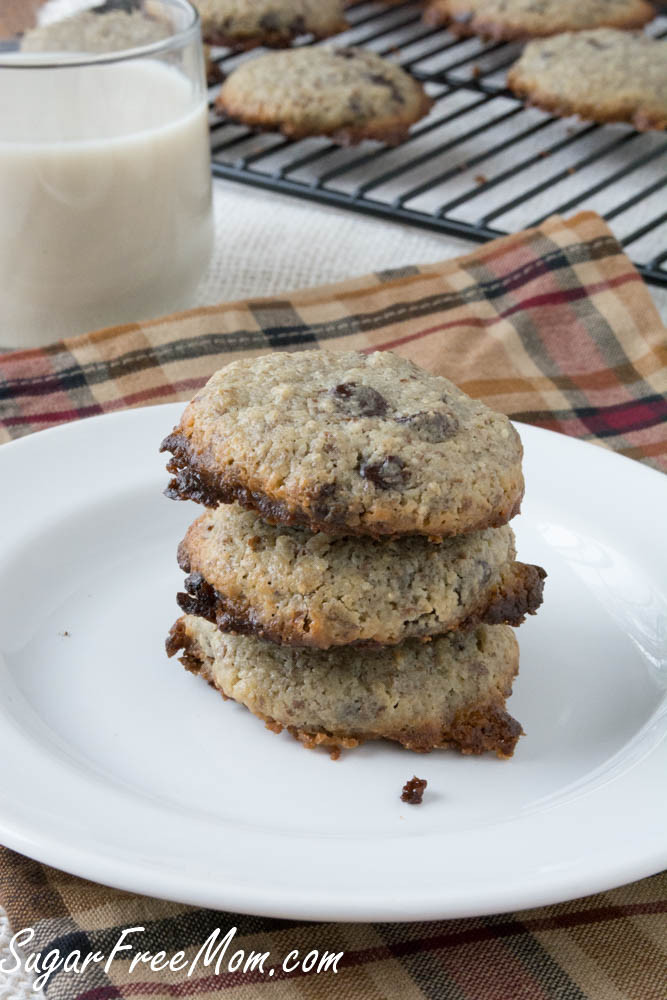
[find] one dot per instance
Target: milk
(105, 196)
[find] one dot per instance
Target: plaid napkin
(553, 326)
(16, 16)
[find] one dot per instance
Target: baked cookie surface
(88, 31)
(294, 587)
(602, 75)
(347, 443)
(276, 23)
(508, 19)
(348, 94)
(446, 693)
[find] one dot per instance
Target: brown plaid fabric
(552, 326)
(611, 946)
(17, 16)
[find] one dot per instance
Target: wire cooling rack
(481, 165)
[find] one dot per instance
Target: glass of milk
(105, 181)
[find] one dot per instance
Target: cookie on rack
(347, 443)
(521, 19)
(446, 693)
(294, 587)
(603, 76)
(243, 24)
(348, 94)
(97, 30)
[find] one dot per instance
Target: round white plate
(119, 766)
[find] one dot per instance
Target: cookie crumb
(481, 178)
(65, 634)
(413, 791)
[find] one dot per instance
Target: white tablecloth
(267, 244)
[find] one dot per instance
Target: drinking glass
(105, 181)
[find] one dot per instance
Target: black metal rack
(475, 168)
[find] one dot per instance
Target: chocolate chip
(269, 22)
(388, 474)
(322, 501)
(298, 25)
(359, 400)
(194, 582)
(484, 571)
(199, 599)
(383, 81)
(433, 427)
(126, 6)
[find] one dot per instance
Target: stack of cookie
(354, 574)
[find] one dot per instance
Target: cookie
(446, 693)
(97, 30)
(603, 76)
(518, 19)
(290, 586)
(243, 24)
(347, 94)
(347, 443)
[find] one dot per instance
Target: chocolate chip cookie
(96, 31)
(446, 693)
(348, 94)
(347, 443)
(294, 587)
(508, 19)
(603, 76)
(243, 24)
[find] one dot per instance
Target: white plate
(119, 766)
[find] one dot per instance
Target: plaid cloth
(610, 946)
(16, 16)
(553, 326)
